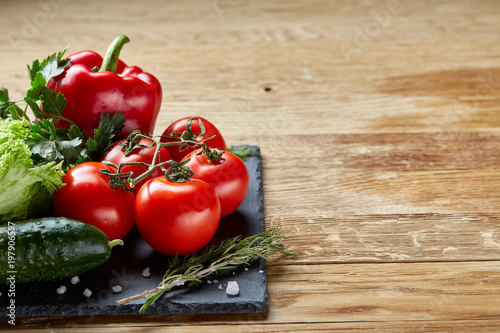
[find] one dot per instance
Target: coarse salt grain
(117, 289)
(146, 272)
(87, 292)
(61, 290)
(232, 288)
(75, 279)
(221, 287)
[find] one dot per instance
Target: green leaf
(8, 108)
(116, 120)
(4, 95)
(54, 68)
(75, 132)
(104, 134)
(33, 104)
(49, 144)
(47, 150)
(52, 103)
(69, 145)
(91, 146)
(27, 189)
(50, 67)
(37, 84)
(243, 152)
(71, 150)
(34, 69)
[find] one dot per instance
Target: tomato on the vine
(195, 132)
(116, 155)
(228, 176)
(88, 197)
(177, 217)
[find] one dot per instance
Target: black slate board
(126, 264)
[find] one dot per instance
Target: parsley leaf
(105, 133)
(40, 74)
(8, 108)
(50, 67)
(49, 144)
(52, 102)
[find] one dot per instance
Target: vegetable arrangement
(87, 169)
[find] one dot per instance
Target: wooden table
(379, 129)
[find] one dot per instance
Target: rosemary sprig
(193, 268)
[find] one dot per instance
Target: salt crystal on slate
(75, 279)
(61, 290)
(221, 287)
(117, 289)
(146, 272)
(87, 292)
(232, 288)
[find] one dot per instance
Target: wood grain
(379, 130)
(411, 292)
(390, 238)
(458, 326)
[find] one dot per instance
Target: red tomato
(88, 197)
(177, 218)
(228, 176)
(177, 127)
(116, 155)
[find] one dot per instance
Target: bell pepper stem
(110, 61)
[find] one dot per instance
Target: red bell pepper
(93, 85)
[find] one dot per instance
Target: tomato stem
(177, 171)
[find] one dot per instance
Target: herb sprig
(48, 143)
(69, 145)
(192, 269)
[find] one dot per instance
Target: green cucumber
(51, 248)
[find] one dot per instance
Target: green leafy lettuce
(26, 190)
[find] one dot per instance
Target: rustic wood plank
(383, 193)
(416, 291)
(412, 173)
(399, 292)
(298, 98)
(390, 238)
(459, 326)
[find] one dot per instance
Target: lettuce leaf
(26, 190)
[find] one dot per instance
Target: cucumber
(51, 248)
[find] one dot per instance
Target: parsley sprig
(40, 73)
(69, 145)
(48, 143)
